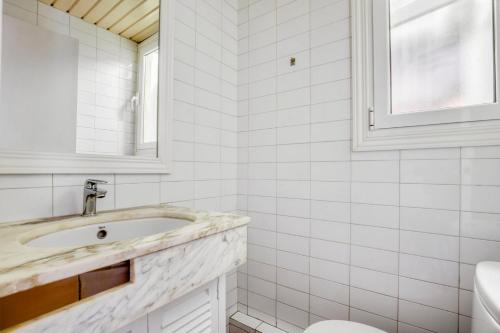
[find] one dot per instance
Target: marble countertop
(23, 267)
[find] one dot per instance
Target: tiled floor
(241, 323)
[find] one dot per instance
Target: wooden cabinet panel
(94, 282)
(31, 303)
(34, 302)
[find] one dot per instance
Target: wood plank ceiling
(133, 19)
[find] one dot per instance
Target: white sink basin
(108, 232)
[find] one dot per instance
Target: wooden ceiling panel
(82, 7)
(118, 12)
(146, 33)
(64, 5)
(135, 15)
(133, 19)
(142, 24)
(101, 9)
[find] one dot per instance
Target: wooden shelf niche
(29, 304)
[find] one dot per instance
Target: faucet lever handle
(92, 183)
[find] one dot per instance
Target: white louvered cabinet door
(197, 312)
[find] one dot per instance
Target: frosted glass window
(442, 54)
(150, 96)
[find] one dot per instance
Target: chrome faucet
(90, 194)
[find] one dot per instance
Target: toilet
(341, 326)
(486, 304)
(485, 308)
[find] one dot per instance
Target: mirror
(80, 77)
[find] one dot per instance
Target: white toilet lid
(341, 326)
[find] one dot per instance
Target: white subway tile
(380, 238)
(427, 317)
(373, 320)
(375, 215)
(429, 269)
(473, 251)
(331, 211)
(444, 222)
(373, 302)
(430, 171)
(375, 259)
(329, 14)
(293, 297)
(332, 251)
(293, 225)
(25, 203)
(375, 193)
(375, 171)
(25, 181)
(333, 291)
(131, 195)
(430, 196)
(383, 283)
(330, 191)
(292, 10)
(293, 280)
(262, 237)
(328, 270)
(261, 270)
(328, 309)
(430, 245)
(480, 225)
(292, 261)
(431, 294)
(261, 287)
(294, 244)
(480, 199)
(331, 231)
(262, 254)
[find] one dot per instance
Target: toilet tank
(486, 306)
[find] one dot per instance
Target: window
(148, 94)
(442, 55)
(425, 73)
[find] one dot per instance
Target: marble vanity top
(23, 267)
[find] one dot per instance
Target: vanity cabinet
(201, 311)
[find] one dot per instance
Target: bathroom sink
(108, 232)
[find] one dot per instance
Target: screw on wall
(292, 61)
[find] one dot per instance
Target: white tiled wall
(385, 238)
(107, 67)
(205, 131)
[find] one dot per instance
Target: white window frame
(146, 47)
(374, 128)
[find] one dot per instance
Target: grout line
(221, 70)
(275, 94)
(349, 314)
(310, 168)
(399, 235)
(248, 153)
(194, 199)
(459, 236)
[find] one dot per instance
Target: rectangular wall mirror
(85, 86)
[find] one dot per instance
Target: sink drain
(101, 234)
